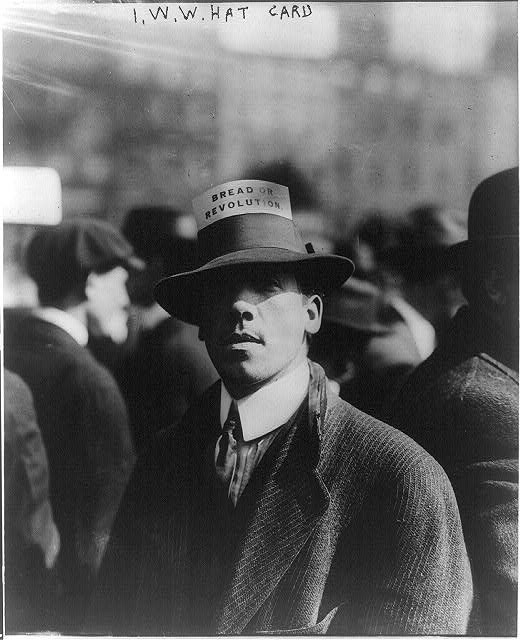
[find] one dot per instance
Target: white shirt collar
(271, 406)
(64, 321)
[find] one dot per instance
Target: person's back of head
(60, 258)
(80, 266)
(165, 238)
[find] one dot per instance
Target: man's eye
(273, 283)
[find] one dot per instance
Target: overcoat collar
(471, 333)
(286, 512)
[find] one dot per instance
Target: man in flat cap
(462, 403)
(274, 506)
(80, 268)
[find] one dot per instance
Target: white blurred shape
(448, 37)
(261, 33)
(186, 227)
(31, 195)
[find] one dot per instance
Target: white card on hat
(239, 197)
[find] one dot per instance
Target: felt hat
(492, 217)
(60, 257)
(359, 305)
(240, 224)
(420, 247)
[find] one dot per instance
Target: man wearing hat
(462, 403)
(364, 346)
(274, 506)
(80, 268)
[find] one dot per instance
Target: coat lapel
(291, 500)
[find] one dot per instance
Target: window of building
(442, 179)
(410, 175)
(377, 80)
(410, 122)
(376, 176)
(377, 121)
(444, 131)
(343, 165)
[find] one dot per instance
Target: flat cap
(360, 306)
(60, 257)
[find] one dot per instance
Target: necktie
(235, 460)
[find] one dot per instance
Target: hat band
(253, 231)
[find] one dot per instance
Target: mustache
(242, 336)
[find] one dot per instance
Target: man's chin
(243, 375)
(119, 335)
(116, 331)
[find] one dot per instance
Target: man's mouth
(240, 338)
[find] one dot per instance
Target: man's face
(254, 324)
(108, 304)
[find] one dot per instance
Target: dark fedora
(492, 217)
(245, 223)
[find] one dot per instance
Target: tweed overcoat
(461, 405)
(349, 528)
(85, 430)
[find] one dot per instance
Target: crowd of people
(214, 427)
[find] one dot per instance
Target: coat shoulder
(375, 448)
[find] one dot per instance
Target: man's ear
(494, 285)
(90, 284)
(314, 311)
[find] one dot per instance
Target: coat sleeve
(128, 597)
(117, 582)
(413, 574)
(489, 510)
(105, 466)
(27, 473)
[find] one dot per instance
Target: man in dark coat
(462, 403)
(167, 367)
(274, 506)
(32, 541)
(80, 268)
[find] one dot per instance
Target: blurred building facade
(127, 123)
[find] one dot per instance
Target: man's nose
(243, 310)
(124, 297)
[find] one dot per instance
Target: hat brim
(459, 253)
(180, 294)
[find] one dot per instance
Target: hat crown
(245, 215)
(493, 208)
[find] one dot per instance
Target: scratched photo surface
(380, 106)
